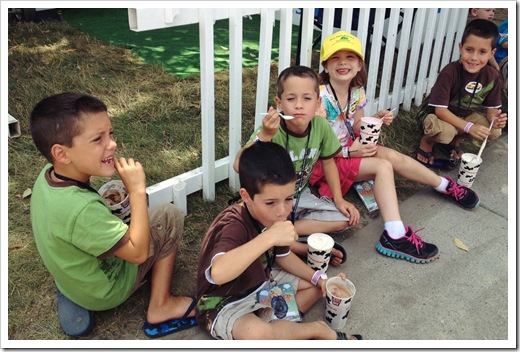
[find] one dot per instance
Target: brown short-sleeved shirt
(445, 92)
(232, 228)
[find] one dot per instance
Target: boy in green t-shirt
(309, 139)
(95, 259)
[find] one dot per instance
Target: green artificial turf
(176, 49)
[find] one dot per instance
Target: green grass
(176, 49)
(156, 118)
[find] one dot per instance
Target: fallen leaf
(461, 245)
(252, 55)
(224, 48)
(26, 193)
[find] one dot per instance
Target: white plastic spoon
(285, 117)
(485, 140)
(387, 114)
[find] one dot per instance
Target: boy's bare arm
(270, 125)
(232, 264)
(294, 265)
(137, 248)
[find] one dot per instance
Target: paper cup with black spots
(469, 165)
(319, 249)
(114, 193)
(369, 129)
(337, 301)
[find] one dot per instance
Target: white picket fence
(401, 70)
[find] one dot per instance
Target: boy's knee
(340, 226)
(260, 331)
(495, 134)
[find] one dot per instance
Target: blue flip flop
(74, 319)
(173, 325)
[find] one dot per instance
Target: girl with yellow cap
(343, 98)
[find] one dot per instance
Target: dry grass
(156, 119)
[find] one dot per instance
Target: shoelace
(415, 239)
(457, 191)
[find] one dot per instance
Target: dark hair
(265, 163)
(54, 120)
(297, 71)
(360, 80)
(483, 29)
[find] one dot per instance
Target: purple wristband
(316, 277)
(468, 126)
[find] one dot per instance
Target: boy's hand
(282, 233)
(359, 150)
(500, 119)
(479, 132)
(132, 174)
(348, 209)
(270, 124)
(323, 283)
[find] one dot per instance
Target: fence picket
(235, 90)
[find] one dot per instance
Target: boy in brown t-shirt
(246, 249)
(450, 112)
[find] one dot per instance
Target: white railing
(405, 49)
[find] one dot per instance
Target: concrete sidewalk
(461, 296)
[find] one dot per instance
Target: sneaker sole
(401, 255)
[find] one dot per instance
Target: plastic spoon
(485, 140)
(387, 114)
(285, 117)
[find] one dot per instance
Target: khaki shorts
(311, 207)
(444, 132)
(166, 227)
(222, 328)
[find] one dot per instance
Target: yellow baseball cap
(340, 41)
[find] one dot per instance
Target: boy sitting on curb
(449, 113)
(96, 260)
(246, 249)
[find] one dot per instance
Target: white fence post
(384, 93)
(207, 88)
(417, 29)
(235, 90)
(306, 39)
(264, 64)
(397, 91)
(284, 57)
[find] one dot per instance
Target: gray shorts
(166, 228)
(223, 325)
(311, 207)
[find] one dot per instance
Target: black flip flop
(173, 325)
(342, 336)
(339, 247)
(443, 164)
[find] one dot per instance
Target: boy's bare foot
(426, 149)
(456, 152)
(337, 257)
(173, 307)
